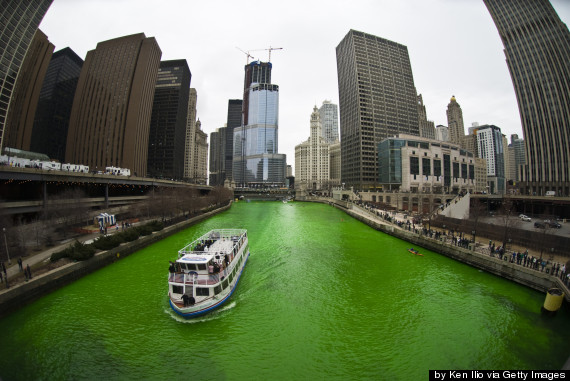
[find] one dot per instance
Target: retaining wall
(22, 294)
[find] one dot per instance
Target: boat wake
(214, 315)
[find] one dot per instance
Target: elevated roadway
(26, 190)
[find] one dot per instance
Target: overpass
(27, 190)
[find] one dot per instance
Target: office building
(256, 162)
(217, 157)
(19, 21)
(413, 164)
(51, 123)
(537, 49)
(455, 122)
(110, 118)
(167, 133)
(190, 138)
(312, 170)
(377, 99)
(199, 167)
(234, 120)
(442, 133)
(427, 127)
(329, 121)
(490, 147)
(20, 118)
(520, 155)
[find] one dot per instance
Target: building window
(414, 165)
(426, 166)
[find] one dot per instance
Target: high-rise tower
(51, 122)
(329, 120)
(537, 50)
(455, 121)
(255, 158)
(377, 99)
(167, 133)
(111, 112)
(19, 21)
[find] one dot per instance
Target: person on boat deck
(171, 267)
(185, 299)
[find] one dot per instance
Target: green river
(322, 296)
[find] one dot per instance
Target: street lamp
(473, 233)
(6, 243)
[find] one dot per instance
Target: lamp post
(6, 243)
(473, 232)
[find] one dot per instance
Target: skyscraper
(19, 20)
(312, 158)
(234, 120)
(20, 118)
(329, 121)
(427, 127)
(51, 122)
(537, 50)
(455, 121)
(168, 121)
(190, 138)
(490, 147)
(377, 99)
(111, 112)
(217, 156)
(255, 158)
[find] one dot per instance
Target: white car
(524, 218)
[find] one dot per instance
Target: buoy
(553, 301)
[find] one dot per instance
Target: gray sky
(454, 49)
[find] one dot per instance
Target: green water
(323, 296)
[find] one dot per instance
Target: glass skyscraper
(537, 50)
(255, 158)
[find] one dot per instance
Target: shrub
(60, 254)
(81, 252)
(144, 229)
(130, 235)
(108, 242)
(155, 225)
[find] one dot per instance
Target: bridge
(27, 190)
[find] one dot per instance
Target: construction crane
(270, 49)
(247, 54)
(256, 50)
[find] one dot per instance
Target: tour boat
(207, 271)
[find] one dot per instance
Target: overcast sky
(453, 45)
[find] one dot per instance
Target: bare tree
(67, 209)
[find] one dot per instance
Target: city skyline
(475, 71)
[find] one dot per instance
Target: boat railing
(237, 235)
(197, 279)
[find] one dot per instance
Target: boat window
(201, 266)
(177, 289)
(202, 291)
(225, 284)
(191, 266)
(183, 266)
(231, 277)
(217, 289)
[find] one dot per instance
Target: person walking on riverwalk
(29, 271)
(20, 267)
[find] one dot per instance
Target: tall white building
(455, 121)
(312, 161)
(329, 121)
(442, 133)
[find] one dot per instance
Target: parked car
(553, 224)
(540, 225)
(524, 218)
